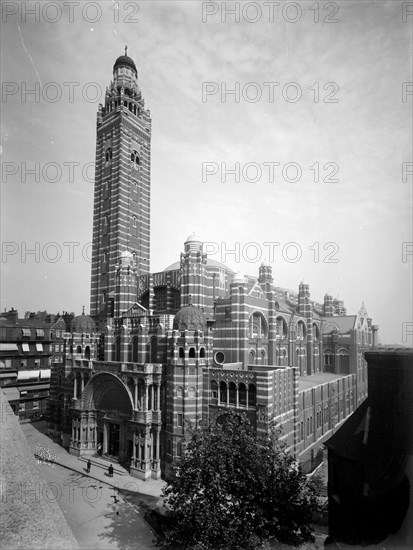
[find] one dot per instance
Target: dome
(190, 318)
(238, 279)
(82, 323)
(125, 61)
(212, 264)
(194, 238)
(126, 254)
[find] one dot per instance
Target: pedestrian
(88, 465)
(100, 449)
(110, 469)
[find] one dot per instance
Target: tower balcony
(146, 368)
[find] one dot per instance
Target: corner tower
(122, 184)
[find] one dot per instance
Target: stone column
(82, 382)
(158, 396)
(105, 437)
(136, 393)
(134, 449)
(75, 385)
(145, 403)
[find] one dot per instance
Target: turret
(193, 273)
(304, 302)
(328, 305)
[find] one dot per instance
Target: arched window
(223, 392)
(135, 350)
(328, 358)
(242, 395)
(154, 350)
(214, 390)
(258, 326)
(181, 353)
(78, 349)
(263, 357)
(191, 392)
(232, 393)
(343, 361)
(252, 395)
(108, 154)
(135, 159)
(191, 353)
(202, 353)
(87, 352)
(301, 332)
(281, 328)
(251, 358)
(179, 392)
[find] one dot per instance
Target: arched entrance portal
(107, 404)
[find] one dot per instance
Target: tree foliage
(230, 491)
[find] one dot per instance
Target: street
(98, 516)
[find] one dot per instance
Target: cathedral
(163, 350)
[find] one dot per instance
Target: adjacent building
(370, 459)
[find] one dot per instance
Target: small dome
(238, 278)
(190, 318)
(82, 323)
(265, 264)
(194, 238)
(125, 61)
(126, 254)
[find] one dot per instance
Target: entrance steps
(104, 463)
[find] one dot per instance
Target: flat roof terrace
(307, 382)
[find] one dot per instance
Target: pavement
(48, 450)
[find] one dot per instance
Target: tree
(231, 491)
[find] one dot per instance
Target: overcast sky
(335, 97)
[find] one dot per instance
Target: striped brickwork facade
(122, 186)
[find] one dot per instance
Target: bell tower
(122, 184)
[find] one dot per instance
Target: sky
(319, 131)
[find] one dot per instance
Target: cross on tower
(126, 50)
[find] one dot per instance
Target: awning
(12, 394)
(26, 332)
(39, 347)
(34, 387)
(28, 374)
(26, 347)
(45, 373)
(39, 332)
(8, 347)
(8, 374)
